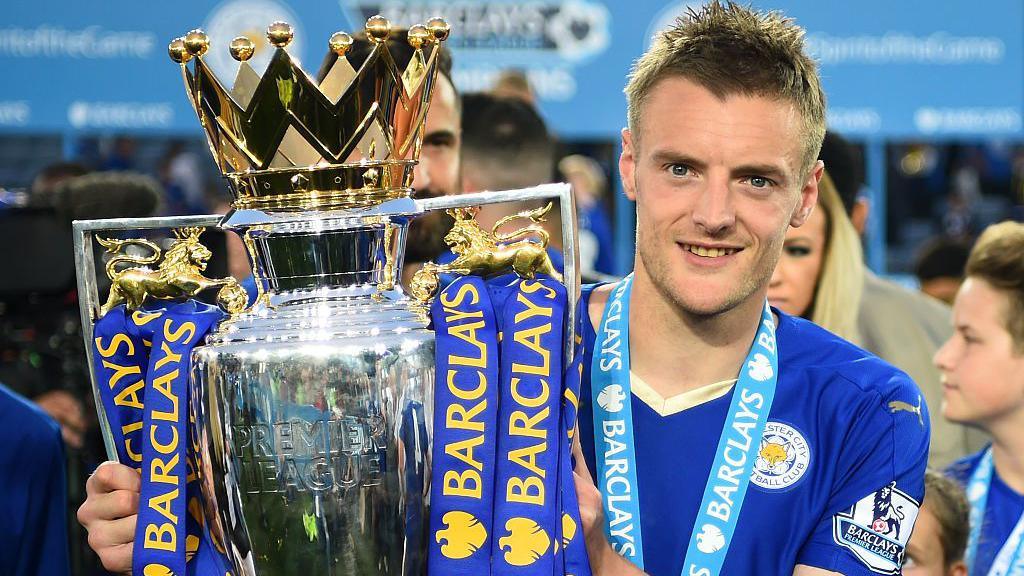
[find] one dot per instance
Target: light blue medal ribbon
(752, 400)
(1010, 559)
(613, 428)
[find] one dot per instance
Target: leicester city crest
(782, 458)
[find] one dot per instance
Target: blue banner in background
(914, 68)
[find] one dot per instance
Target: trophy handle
(460, 206)
(90, 305)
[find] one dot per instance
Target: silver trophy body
(314, 411)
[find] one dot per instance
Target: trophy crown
(348, 137)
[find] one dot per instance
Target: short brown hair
(733, 50)
(946, 502)
(998, 258)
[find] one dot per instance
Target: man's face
(717, 183)
(438, 172)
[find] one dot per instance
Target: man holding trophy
(725, 437)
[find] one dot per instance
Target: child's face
(924, 552)
(982, 374)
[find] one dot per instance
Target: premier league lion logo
(887, 516)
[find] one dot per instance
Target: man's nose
(714, 212)
(421, 174)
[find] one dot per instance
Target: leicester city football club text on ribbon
(616, 459)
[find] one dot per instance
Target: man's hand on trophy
(109, 514)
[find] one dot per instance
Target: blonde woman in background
(820, 275)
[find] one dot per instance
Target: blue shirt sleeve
(32, 480)
(880, 453)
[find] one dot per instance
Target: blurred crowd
(940, 198)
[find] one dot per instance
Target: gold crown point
(280, 34)
(242, 48)
(177, 51)
(339, 43)
(418, 36)
(378, 28)
(439, 28)
(197, 42)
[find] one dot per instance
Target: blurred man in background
(505, 146)
(940, 268)
(35, 538)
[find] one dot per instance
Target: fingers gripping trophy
(297, 434)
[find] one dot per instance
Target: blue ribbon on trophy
(503, 499)
(465, 421)
(142, 362)
(575, 560)
(525, 513)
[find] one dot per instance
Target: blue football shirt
(33, 534)
(1002, 511)
(839, 472)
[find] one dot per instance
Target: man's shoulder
(23, 423)
(18, 411)
(593, 297)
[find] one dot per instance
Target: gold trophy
(303, 401)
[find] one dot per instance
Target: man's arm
(802, 570)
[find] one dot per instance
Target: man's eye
(760, 182)
(679, 169)
(438, 140)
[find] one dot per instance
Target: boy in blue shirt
(982, 368)
(727, 437)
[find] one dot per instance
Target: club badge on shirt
(878, 528)
(782, 459)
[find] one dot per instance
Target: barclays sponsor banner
(891, 69)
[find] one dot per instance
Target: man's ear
(808, 195)
(859, 214)
(627, 164)
(959, 568)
